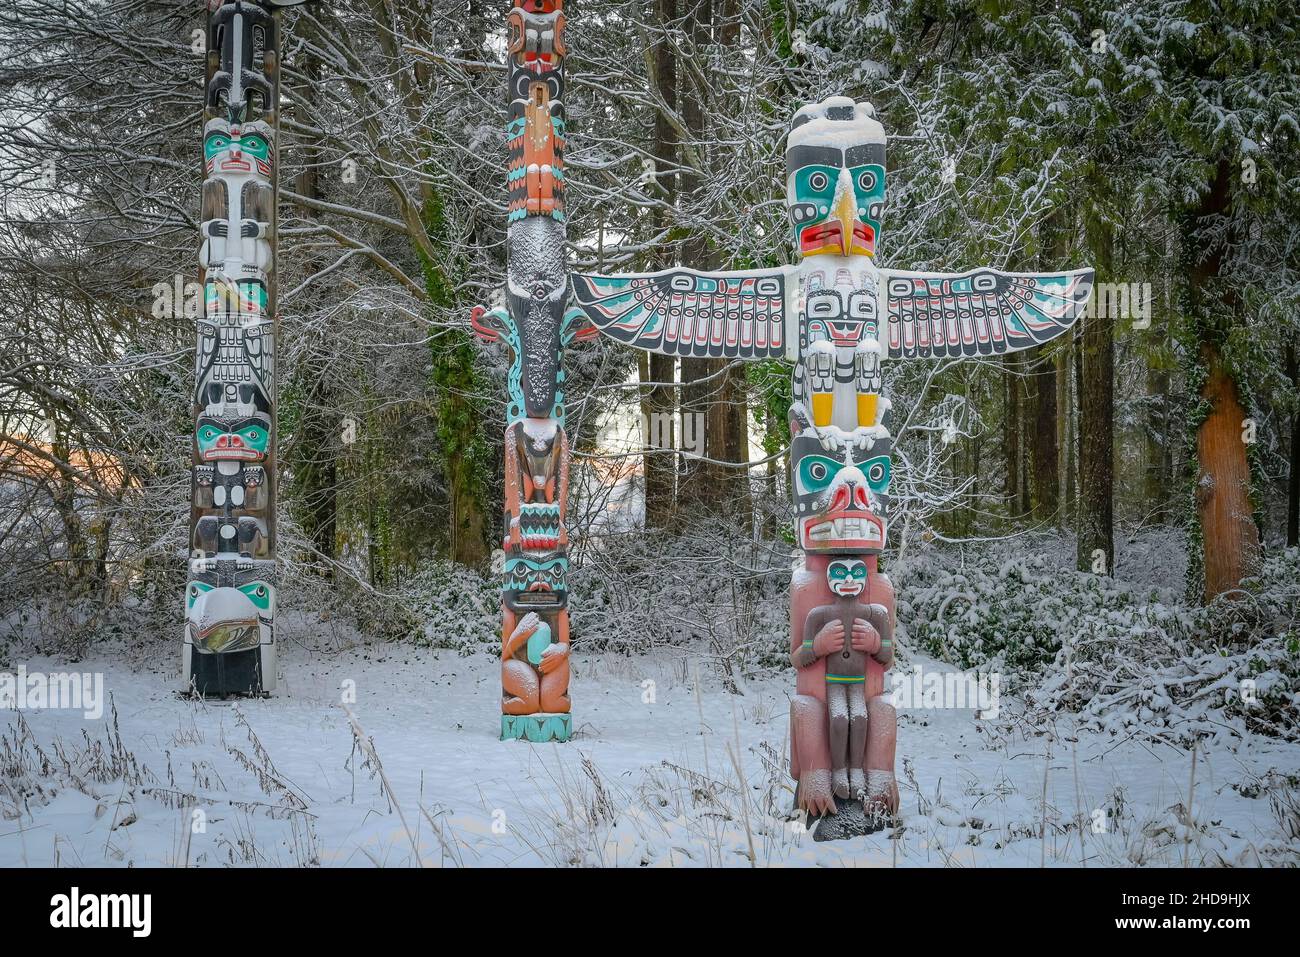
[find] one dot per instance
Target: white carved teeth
(841, 528)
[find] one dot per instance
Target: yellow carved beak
(846, 210)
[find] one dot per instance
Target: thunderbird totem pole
(230, 597)
(826, 314)
(536, 324)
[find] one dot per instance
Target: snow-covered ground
(679, 773)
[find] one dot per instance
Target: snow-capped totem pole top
(835, 178)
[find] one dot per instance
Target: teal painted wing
(681, 312)
(981, 312)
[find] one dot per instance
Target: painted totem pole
(230, 597)
(536, 324)
(826, 314)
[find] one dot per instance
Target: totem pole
(536, 324)
(230, 597)
(824, 314)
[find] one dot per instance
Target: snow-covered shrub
(635, 592)
(453, 606)
(716, 589)
(998, 610)
(1123, 658)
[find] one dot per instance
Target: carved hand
(553, 657)
(830, 639)
(523, 631)
(865, 637)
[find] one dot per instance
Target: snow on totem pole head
(835, 178)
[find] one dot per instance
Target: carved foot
(840, 782)
(814, 794)
(858, 784)
(882, 793)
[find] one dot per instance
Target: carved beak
(845, 210)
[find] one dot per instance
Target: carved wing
(981, 312)
(682, 312)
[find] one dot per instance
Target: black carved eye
(866, 181)
(817, 470)
(876, 472)
(818, 181)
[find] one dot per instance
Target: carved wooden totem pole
(826, 314)
(536, 324)
(230, 598)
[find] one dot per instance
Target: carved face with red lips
(840, 498)
(223, 438)
(239, 150)
(847, 577)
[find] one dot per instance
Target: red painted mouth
(864, 239)
(236, 165)
(817, 238)
(846, 333)
(843, 530)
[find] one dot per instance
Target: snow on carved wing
(683, 312)
(981, 312)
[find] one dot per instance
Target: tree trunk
(730, 438)
(1046, 484)
(1293, 482)
(1043, 439)
(1096, 535)
(319, 431)
(657, 410)
(701, 395)
(1065, 432)
(658, 403)
(1011, 431)
(1158, 458)
(1229, 537)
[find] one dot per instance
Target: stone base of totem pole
(851, 821)
(536, 727)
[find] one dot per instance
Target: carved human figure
(847, 633)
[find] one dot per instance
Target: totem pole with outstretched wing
(837, 316)
(229, 644)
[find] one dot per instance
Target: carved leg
(867, 380)
(819, 359)
(808, 740)
(520, 686)
(857, 739)
(837, 706)
(521, 689)
(555, 690)
(555, 677)
(882, 732)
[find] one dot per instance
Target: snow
(652, 777)
(863, 128)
